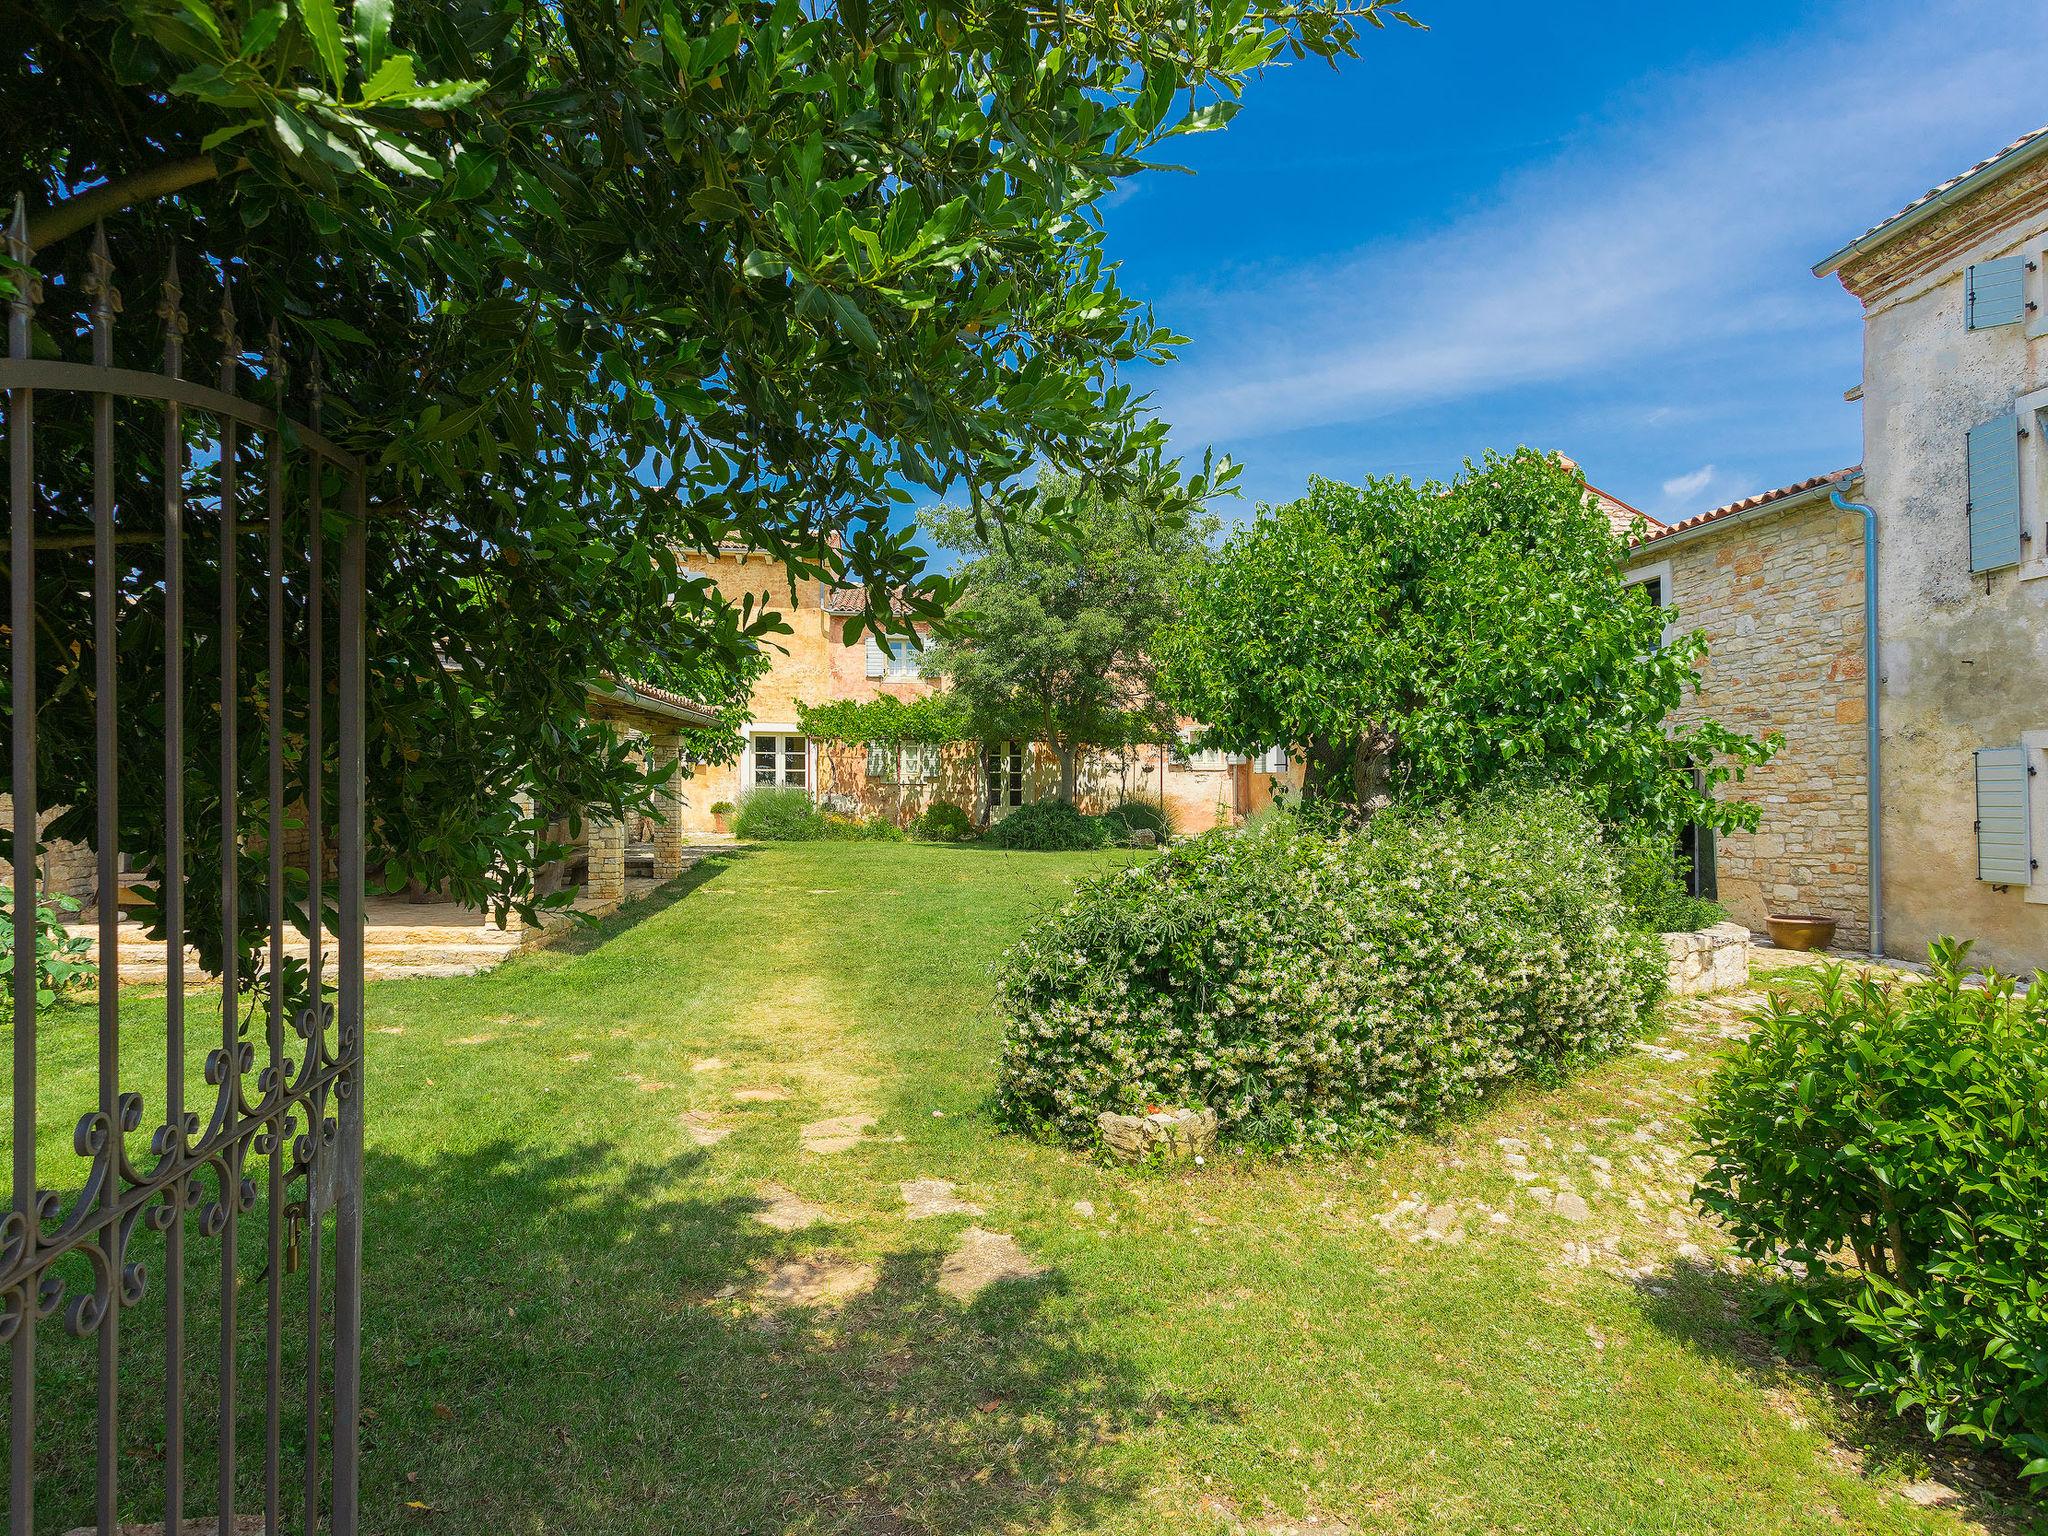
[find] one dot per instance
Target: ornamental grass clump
(1322, 991)
(1883, 1146)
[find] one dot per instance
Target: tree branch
(75, 213)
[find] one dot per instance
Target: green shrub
(1655, 892)
(778, 815)
(943, 822)
(1049, 826)
(1326, 990)
(60, 955)
(1890, 1141)
(1121, 820)
(721, 807)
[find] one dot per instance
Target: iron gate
(170, 1269)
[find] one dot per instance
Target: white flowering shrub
(1321, 990)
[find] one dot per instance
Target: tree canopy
(1430, 640)
(594, 284)
(1053, 639)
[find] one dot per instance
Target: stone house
(1942, 535)
(814, 664)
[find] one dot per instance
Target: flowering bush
(1323, 990)
(1888, 1143)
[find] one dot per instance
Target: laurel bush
(1883, 1145)
(1324, 990)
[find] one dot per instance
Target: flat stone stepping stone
(981, 1258)
(760, 1095)
(816, 1280)
(787, 1211)
(708, 1064)
(835, 1135)
(934, 1197)
(704, 1129)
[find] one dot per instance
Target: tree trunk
(1357, 771)
(1070, 772)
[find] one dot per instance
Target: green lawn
(564, 1332)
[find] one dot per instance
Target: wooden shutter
(881, 762)
(2004, 836)
(1994, 293)
(878, 659)
(1994, 457)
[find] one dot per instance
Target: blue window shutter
(1994, 453)
(1994, 292)
(2004, 834)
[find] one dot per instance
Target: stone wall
(68, 869)
(1779, 595)
(1712, 959)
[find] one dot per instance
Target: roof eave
(1748, 514)
(1948, 197)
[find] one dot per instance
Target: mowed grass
(563, 1334)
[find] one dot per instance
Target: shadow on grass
(556, 1341)
(1710, 1310)
(587, 936)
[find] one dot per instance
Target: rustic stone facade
(1962, 654)
(1779, 594)
(815, 665)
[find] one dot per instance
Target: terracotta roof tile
(1749, 504)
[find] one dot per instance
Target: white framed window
(781, 760)
(898, 661)
(1655, 580)
(1003, 763)
(1196, 760)
(1273, 760)
(920, 764)
(2033, 484)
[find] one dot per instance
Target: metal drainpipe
(1870, 688)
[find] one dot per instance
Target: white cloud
(1687, 223)
(1685, 487)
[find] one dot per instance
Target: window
(913, 764)
(881, 763)
(1005, 769)
(1273, 760)
(920, 764)
(898, 662)
(1204, 760)
(780, 760)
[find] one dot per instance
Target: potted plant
(721, 816)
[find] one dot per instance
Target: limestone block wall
(1780, 599)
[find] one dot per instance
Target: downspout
(1870, 688)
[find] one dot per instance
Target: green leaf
(261, 29)
(323, 26)
(220, 136)
(372, 24)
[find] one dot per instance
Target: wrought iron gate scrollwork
(275, 1140)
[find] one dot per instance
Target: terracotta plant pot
(1800, 932)
(721, 823)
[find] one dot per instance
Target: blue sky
(1586, 225)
